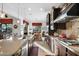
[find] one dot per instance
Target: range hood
(69, 13)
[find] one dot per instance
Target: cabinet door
(61, 50)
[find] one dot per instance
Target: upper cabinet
(68, 12)
(56, 12)
(47, 19)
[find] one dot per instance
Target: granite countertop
(73, 48)
(8, 47)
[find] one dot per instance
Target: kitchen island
(10, 47)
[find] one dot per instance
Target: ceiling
(20, 10)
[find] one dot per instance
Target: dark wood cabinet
(60, 25)
(56, 12)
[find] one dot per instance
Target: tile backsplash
(72, 27)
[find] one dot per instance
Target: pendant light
(2, 15)
(18, 15)
(2, 8)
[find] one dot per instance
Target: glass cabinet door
(4, 27)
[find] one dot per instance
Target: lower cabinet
(61, 50)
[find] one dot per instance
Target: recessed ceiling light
(48, 11)
(41, 9)
(29, 9)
